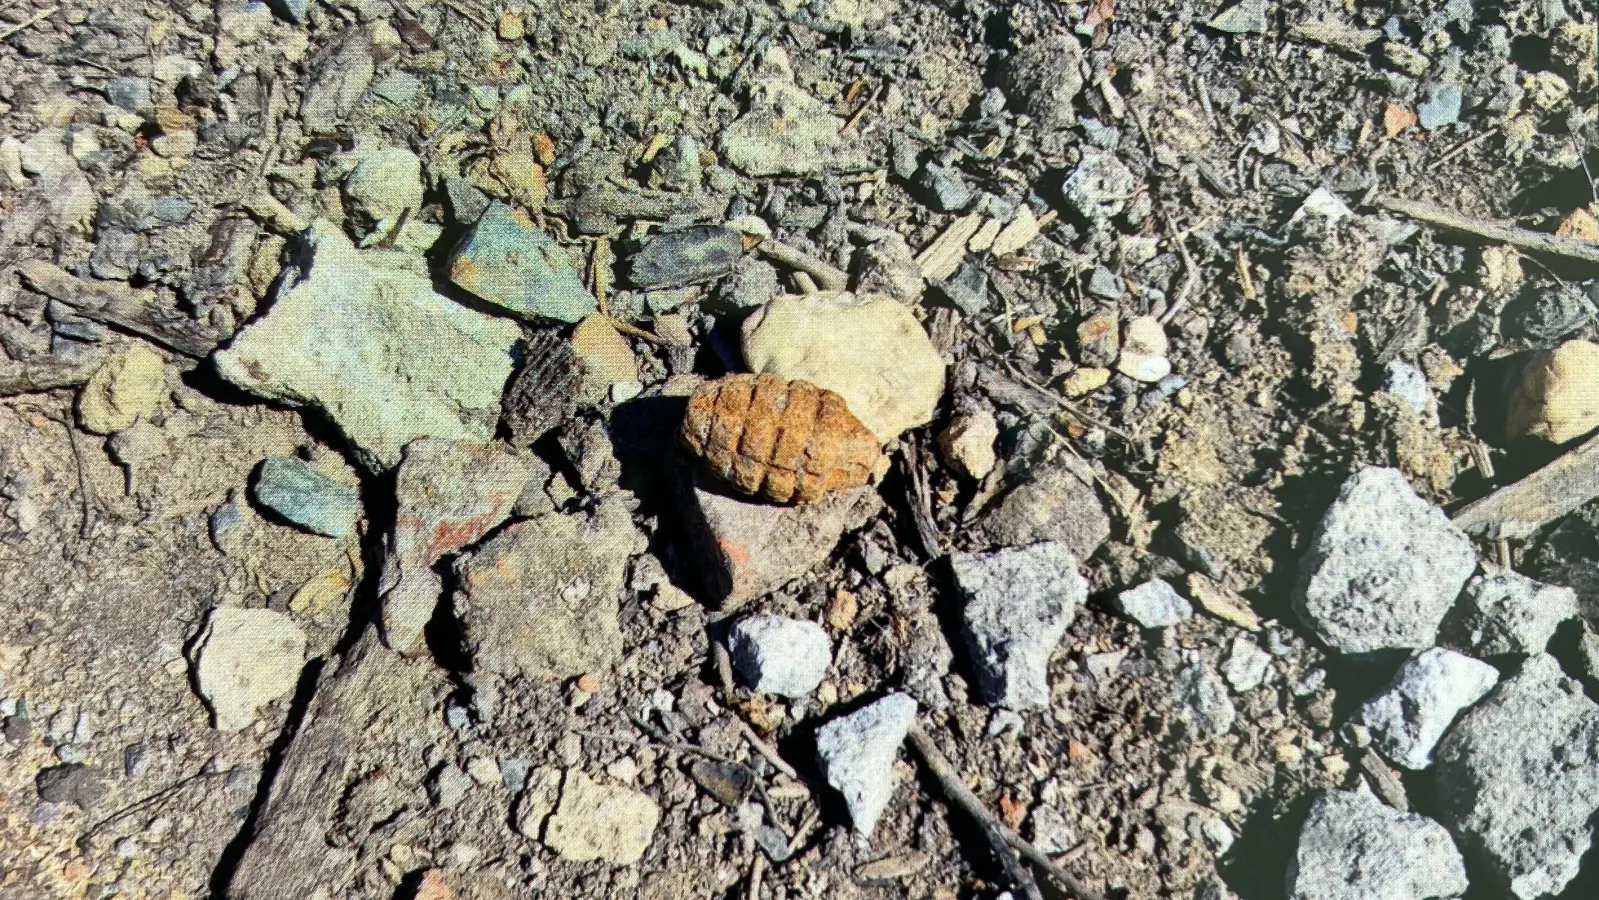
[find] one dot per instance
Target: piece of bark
(543, 393)
(288, 857)
(47, 374)
(1498, 232)
(1517, 510)
(122, 307)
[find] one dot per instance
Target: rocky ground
(1202, 507)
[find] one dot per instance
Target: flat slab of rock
(1353, 847)
(245, 659)
(1018, 605)
(1505, 613)
(1410, 716)
(1154, 604)
(374, 348)
(308, 497)
(595, 821)
(1518, 778)
(541, 599)
(857, 754)
(787, 131)
(1054, 504)
(788, 657)
(1383, 567)
(749, 549)
(869, 350)
(449, 494)
(510, 263)
(686, 256)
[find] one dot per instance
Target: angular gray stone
(857, 754)
(1503, 613)
(1201, 698)
(1154, 604)
(686, 256)
(1383, 567)
(507, 261)
(448, 494)
(1099, 186)
(1054, 504)
(748, 549)
(1018, 605)
(1441, 108)
(383, 185)
(788, 657)
(946, 186)
(301, 493)
(1410, 715)
(1518, 778)
(1248, 17)
(889, 267)
(1353, 847)
(1247, 666)
(1045, 77)
(75, 783)
(374, 348)
(244, 659)
(787, 131)
(542, 598)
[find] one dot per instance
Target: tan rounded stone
(128, 386)
(1557, 397)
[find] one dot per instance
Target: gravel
(1383, 567)
(1018, 605)
(780, 656)
(1153, 604)
(1410, 715)
(857, 754)
(1505, 613)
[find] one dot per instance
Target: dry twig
(766, 750)
(29, 22)
(1525, 239)
(828, 277)
(999, 833)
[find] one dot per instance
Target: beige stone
(968, 443)
(605, 356)
(1557, 397)
(244, 659)
(868, 349)
(1082, 382)
(129, 386)
(595, 821)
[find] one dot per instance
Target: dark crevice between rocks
(379, 505)
(1256, 867)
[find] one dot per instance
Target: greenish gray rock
(297, 491)
(510, 263)
(364, 339)
(686, 256)
(787, 131)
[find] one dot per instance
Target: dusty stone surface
(869, 350)
(967, 443)
(510, 263)
(1519, 778)
(1052, 503)
(1154, 604)
(1383, 567)
(596, 821)
(1352, 847)
(128, 387)
(1502, 612)
(780, 656)
(1557, 398)
(541, 599)
(376, 350)
(449, 494)
(749, 549)
(244, 659)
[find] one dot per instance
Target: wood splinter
(1006, 843)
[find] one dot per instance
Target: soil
(1282, 325)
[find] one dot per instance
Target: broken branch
(1004, 839)
(1523, 238)
(828, 277)
(119, 306)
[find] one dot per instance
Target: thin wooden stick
(963, 797)
(765, 749)
(29, 22)
(828, 277)
(1526, 239)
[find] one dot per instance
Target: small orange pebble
(588, 682)
(1396, 119)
